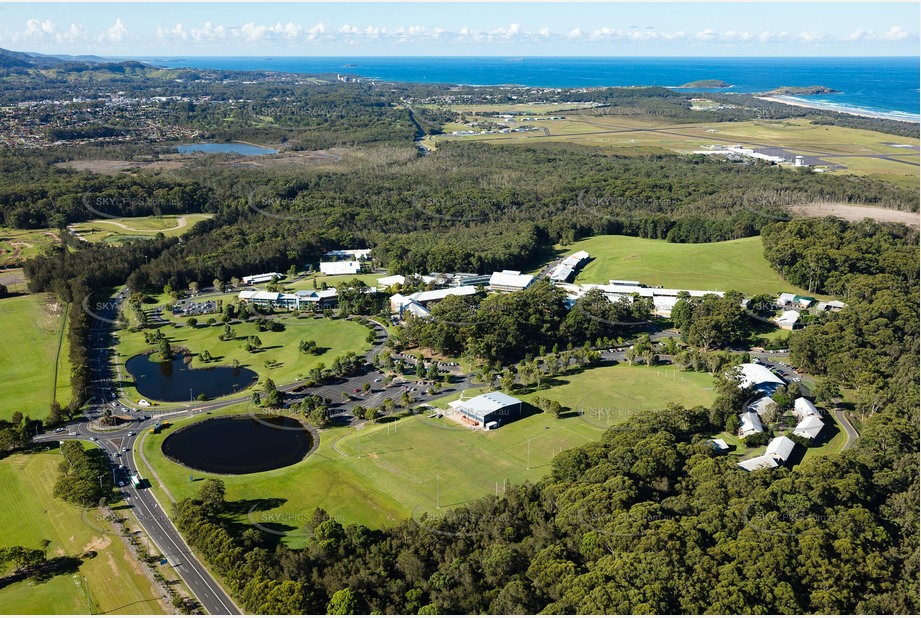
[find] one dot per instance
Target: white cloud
(116, 34)
(575, 33)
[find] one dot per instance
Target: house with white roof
(788, 320)
(780, 448)
(803, 408)
(509, 281)
(810, 428)
(760, 406)
(749, 424)
(762, 462)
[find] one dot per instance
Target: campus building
(568, 267)
(509, 281)
(263, 278)
(761, 378)
(487, 411)
(302, 300)
(347, 267)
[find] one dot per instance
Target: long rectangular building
(488, 410)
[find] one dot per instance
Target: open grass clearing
(730, 265)
(33, 327)
(30, 514)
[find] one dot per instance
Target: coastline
(828, 107)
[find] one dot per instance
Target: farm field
(395, 476)
(33, 327)
(125, 229)
(856, 149)
(30, 514)
(730, 265)
(279, 358)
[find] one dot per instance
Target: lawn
(394, 478)
(730, 265)
(279, 357)
(30, 513)
(130, 228)
(32, 328)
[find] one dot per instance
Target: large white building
(347, 267)
(509, 281)
(488, 410)
(749, 423)
(301, 300)
(663, 299)
(780, 448)
(763, 379)
(357, 254)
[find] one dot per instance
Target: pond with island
(239, 444)
(178, 380)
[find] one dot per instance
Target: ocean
(886, 86)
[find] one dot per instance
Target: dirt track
(852, 212)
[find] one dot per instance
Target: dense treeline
(871, 346)
(81, 475)
(505, 328)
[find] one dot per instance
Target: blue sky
(463, 29)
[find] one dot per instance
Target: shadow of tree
(41, 573)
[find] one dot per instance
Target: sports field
(30, 513)
(394, 477)
(730, 265)
(279, 358)
(33, 328)
(130, 228)
(387, 471)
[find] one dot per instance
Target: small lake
(247, 150)
(239, 445)
(178, 381)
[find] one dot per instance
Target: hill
(706, 83)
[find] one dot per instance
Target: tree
(193, 287)
(164, 351)
(211, 496)
(218, 285)
(272, 396)
(343, 603)
(191, 322)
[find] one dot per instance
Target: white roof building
(760, 406)
(749, 424)
(386, 282)
(832, 305)
(358, 254)
(568, 266)
(787, 320)
(718, 445)
(785, 299)
(348, 267)
(762, 378)
(663, 299)
(262, 278)
(802, 408)
(810, 427)
(758, 463)
(432, 295)
(780, 448)
(509, 281)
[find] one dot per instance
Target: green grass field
(30, 513)
(32, 327)
(130, 228)
(731, 265)
(395, 476)
(279, 349)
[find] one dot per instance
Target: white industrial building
(347, 267)
(263, 278)
(488, 410)
(509, 281)
(761, 378)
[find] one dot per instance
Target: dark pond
(239, 445)
(177, 381)
(235, 148)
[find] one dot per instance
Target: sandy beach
(831, 108)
